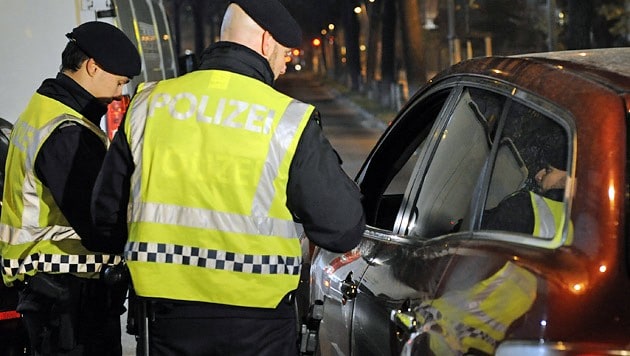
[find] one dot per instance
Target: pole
(144, 335)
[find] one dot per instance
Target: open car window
(450, 164)
(526, 191)
(444, 197)
(391, 167)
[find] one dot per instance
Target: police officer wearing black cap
(216, 167)
(55, 153)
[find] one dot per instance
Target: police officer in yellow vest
(539, 213)
(47, 243)
(215, 168)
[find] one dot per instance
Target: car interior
(431, 188)
(450, 180)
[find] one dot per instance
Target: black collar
(237, 58)
(68, 92)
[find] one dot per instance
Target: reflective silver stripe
(58, 263)
(15, 235)
(278, 145)
(30, 200)
(30, 232)
(31, 210)
(432, 317)
(210, 219)
(212, 259)
(258, 223)
(473, 306)
(138, 118)
(485, 294)
(545, 216)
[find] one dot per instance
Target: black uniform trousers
(67, 315)
(191, 328)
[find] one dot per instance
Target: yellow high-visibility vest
(549, 219)
(208, 218)
(477, 317)
(34, 234)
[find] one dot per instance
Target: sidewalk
(370, 110)
(367, 107)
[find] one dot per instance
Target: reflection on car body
(432, 276)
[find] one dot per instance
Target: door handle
(348, 288)
(404, 320)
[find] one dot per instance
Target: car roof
(609, 67)
(616, 60)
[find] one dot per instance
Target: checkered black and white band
(58, 263)
(215, 259)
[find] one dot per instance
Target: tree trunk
(375, 23)
(388, 53)
(579, 28)
(353, 63)
(412, 42)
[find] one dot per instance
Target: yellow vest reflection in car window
(476, 318)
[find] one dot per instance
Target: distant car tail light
(10, 314)
(115, 113)
(542, 348)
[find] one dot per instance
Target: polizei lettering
(226, 112)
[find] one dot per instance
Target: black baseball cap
(272, 16)
(109, 47)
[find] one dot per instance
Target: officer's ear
(91, 67)
(267, 44)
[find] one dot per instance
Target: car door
(458, 148)
(406, 264)
(492, 279)
(384, 178)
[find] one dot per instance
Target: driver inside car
(540, 211)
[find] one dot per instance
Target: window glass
(463, 147)
(390, 167)
(527, 184)
(403, 177)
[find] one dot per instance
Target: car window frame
(561, 117)
(402, 223)
(379, 167)
(455, 86)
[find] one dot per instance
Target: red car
(497, 205)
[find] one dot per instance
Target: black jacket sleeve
(514, 213)
(111, 195)
(67, 164)
(321, 196)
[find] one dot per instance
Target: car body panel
(472, 290)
